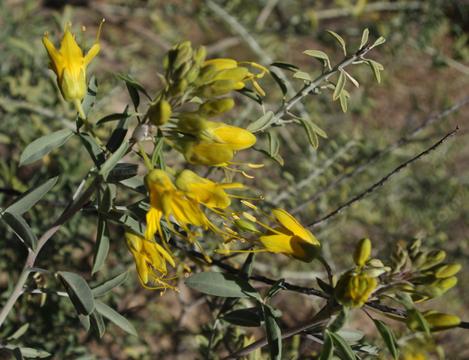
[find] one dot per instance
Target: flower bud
(160, 113)
(440, 321)
(218, 106)
(433, 258)
(354, 289)
(446, 270)
(246, 225)
(362, 252)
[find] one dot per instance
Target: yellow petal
(277, 243)
(221, 63)
(291, 224)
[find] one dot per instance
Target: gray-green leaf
(44, 145)
(339, 39)
(220, 284)
(262, 123)
(339, 87)
(31, 197)
(79, 292)
(110, 284)
(365, 36)
(388, 337)
(318, 54)
(327, 350)
(21, 228)
(113, 316)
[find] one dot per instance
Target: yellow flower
(150, 260)
(69, 65)
(167, 201)
(290, 238)
(216, 143)
(353, 289)
(220, 76)
(205, 191)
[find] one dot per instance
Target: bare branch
(382, 180)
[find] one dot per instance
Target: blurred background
(426, 70)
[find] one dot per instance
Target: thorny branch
(381, 182)
(380, 153)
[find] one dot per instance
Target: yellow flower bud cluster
(426, 274)
(355, 287)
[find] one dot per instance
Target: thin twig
(380, 153)
(372, 7)
(382, 180)
(71, 210)
(323, 315)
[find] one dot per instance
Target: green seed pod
(446, 270)
(362, 252)
(440, 321)
(218, 106)
(433, 258)
(246, 225)
(160, 113)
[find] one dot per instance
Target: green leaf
(274, 144)
(248, 317)
(118, 135)
(97, 324)
(274, 334)
(280, 82)
(339, 39)
(302, 75)
(21, 228)
(312, 137)
(365, 36)
(79, 292)
(321, 55)
(101, 249)
(339, 87)
(262, 123)
(84, 321)
(113, 316)
(376, 67)
(111, 162)
(388, 337)
(134, 87)
(110, 284)
(327, 350)
(285, 66)
(275, 288)
(343, 102)
(352, 79)
(122, 171)
(19, 332)
(381, 40)
(220, 284)
(44, 145)
(339, 320)
(91, 92)
(31, 197)
(28, 352)
(343, 347)
(116, 116)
